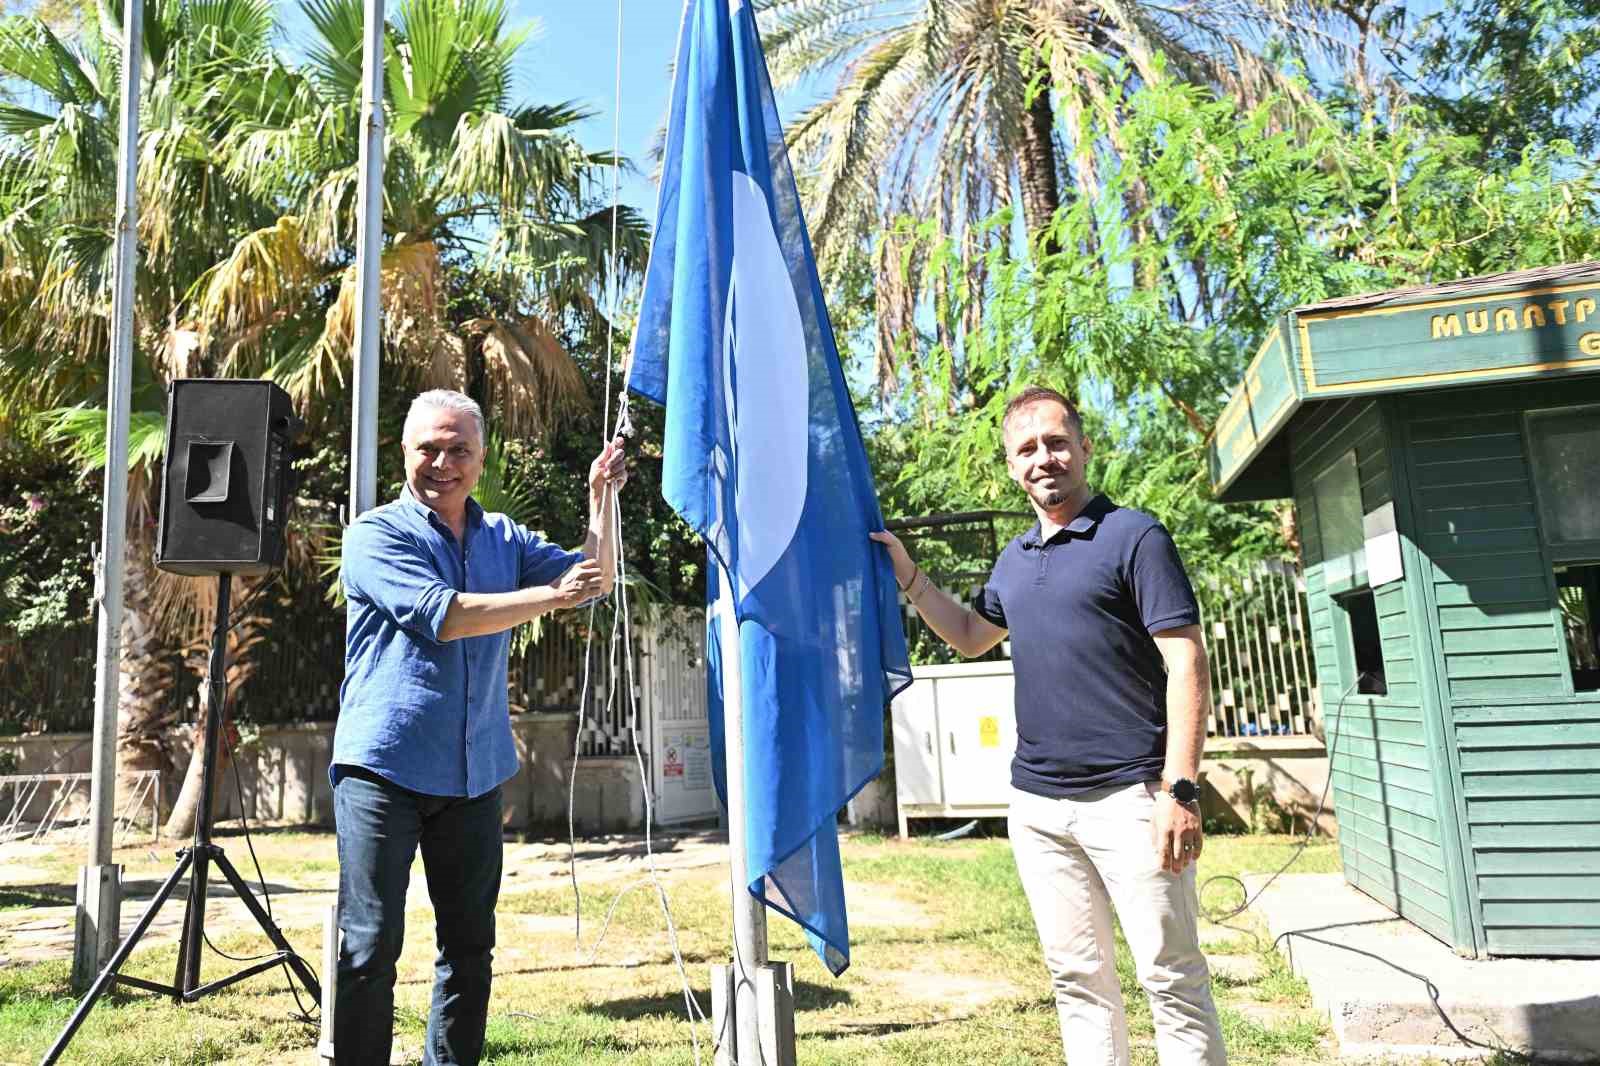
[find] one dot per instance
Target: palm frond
(31, 52)
(450, 57)
(500, 489)
(266, 276)
(533, 381)
(492, 156)
(82, 430)
(335, 49)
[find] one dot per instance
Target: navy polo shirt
(1091, 686)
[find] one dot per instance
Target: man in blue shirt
(1112, 696)
(434, 586)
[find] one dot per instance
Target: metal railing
(66, 799)
(1263, 675)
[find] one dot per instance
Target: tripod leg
(187, 977)
(109, 974)
(269, 927)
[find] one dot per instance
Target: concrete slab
(1378, 995)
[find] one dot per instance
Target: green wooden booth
(1442, 448)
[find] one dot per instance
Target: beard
(1055, 498)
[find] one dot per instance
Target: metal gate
(674, 669)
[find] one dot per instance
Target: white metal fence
(1263, 676)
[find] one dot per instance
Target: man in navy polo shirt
(434, 587)
(1112, 696)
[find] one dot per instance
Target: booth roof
(1494, 328)
(1507, 279)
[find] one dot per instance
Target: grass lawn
(945, 970)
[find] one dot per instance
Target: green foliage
(49, 522)
(82, 430)
(951, 109)
(661, 551)
(1514, 74)
(502, 489)
(1211, 220)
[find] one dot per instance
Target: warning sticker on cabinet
(686, 759)
(988, 731)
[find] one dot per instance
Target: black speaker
(225, 498)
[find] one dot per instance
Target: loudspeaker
(225, 497)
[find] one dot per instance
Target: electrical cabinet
(955, 731)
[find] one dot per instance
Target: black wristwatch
(1184, 790)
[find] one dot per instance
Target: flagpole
(369, 253)
(749, 913)
(364, 400)
(99, 882)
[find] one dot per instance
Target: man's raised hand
(609, 469)
(579, 584)
(904, 568)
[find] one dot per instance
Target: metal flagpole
(369, 255)
(749, 914)
(364, 409)
(99, 883)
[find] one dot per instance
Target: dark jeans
(380, 826)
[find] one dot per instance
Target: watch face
(1185, 790)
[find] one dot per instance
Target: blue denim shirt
(427, 714)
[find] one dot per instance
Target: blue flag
(763, 457)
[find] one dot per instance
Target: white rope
(621, 621)
(690, 1005)
(605, 438)
(621, 624)
(616, 210)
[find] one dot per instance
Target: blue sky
(574, 57)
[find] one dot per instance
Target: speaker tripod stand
(195, 860)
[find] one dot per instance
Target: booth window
(1366, 642)
(1562, 445)
(1579, 590)
(1337, 491)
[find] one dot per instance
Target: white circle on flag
(764, 361)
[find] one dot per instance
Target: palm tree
(947, 110)
(247, 182)
(472, 179)
(59, 130)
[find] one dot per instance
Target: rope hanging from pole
(621, 626)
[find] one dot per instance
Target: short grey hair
(446, 400)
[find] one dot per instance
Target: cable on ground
(1221, 918)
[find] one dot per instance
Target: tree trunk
(187, 806)
(143, 715)
(1041, 198)
(243, 635)
(1289, 526)
(1041, 192)
(477, 383)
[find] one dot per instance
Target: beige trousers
(1079, 858)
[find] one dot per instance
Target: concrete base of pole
(774, 1009)
(99, 918)
(722, 1031)
(775, 1002)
